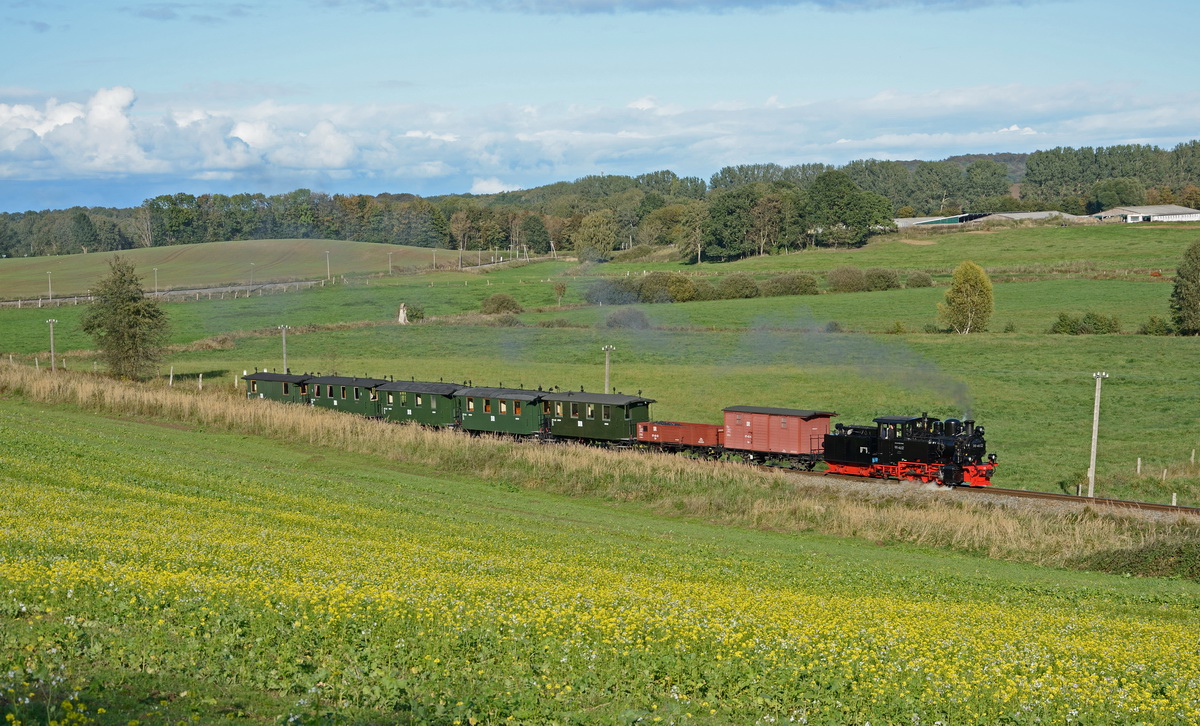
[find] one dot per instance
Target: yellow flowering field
(345, 588)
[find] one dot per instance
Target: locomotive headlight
(991, 458)
(979, 431)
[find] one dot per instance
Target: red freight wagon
(681, 435)
(791, 435)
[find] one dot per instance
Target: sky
(110, 103)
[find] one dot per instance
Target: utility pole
(389, 263)
(1099, 376)
(283, 329)
(327, 275)
(49, 287)
(52, 321)
(251, 273)
(155, 282)
(608, 349)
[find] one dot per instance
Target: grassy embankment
(167, 555)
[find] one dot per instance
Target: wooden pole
(200, 382)
(1139, 467)
(171, 378)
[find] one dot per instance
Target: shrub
(506, 320)
(1098, 324)
(1067, 324)
(652, 288)
(880, 278)
(1010, 327)
(627, 318)
(555, 323)
(1086, 324)
(833, 326)
(617, 291)
(1155, 326)
(919, 279)
(846, 279)
(415, 312)
(681, 287)
(500, 303)
(897, 328)
(705, 290)
(790, 283)
(738, 285)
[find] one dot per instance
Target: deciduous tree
(969, 304)
(1185, 299)
(129, 329)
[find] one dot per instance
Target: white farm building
(1152, 213)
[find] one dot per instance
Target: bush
(506, 320)
(617, 291)
(627, 318)
(919, 279)
(555, 323)
(846, 279)
(880, 278)
(681, 287)
(789, 284)
(705, 290)
(1010, 327)
(500, 303)
(652, 288)
(897, 328)
(415, 312)
(1155, 326)
(833, 326)
(1086, 324)
(736, 286)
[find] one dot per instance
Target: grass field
(1032, 391)
(209, 264)
(166, 567)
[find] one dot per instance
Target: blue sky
(108, 103)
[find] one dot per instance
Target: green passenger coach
(286, 387)
(501, 410)
(595, 416)
(355, 395)
(425, 402)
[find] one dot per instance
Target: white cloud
(491, 186)
(428, 148)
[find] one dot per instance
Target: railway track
(1046, 496)
(1052, 496)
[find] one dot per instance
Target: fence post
(1173, 499)
(1139, 469)
(171, 378)
(200, 382)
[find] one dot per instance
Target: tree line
(741, 210)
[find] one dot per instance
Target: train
(948, 452)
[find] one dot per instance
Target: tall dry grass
(716, 492)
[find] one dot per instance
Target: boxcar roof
(516, 394)
(346, 381)
(797, 412)
(436, 387)
(283, 377)
(612, 399)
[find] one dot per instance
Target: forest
(739, 211)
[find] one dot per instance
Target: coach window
(303, 389)
(285, 389)
(574, 409)
(516, 408)
(487, 405)
(503, 406)
(328, 391)
(374, 395)
(404, 398)
(470, 404)
(420, 400)
(343, 393)
(357, 393)
(558, 409)
(628, 413)
(433, 404)
(783, 423)
(591, 411)
(606, 412)
(391, 398)
(254, 386)
(316, 391)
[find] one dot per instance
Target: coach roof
(435, 387)
(611, 399)
(281, 377)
